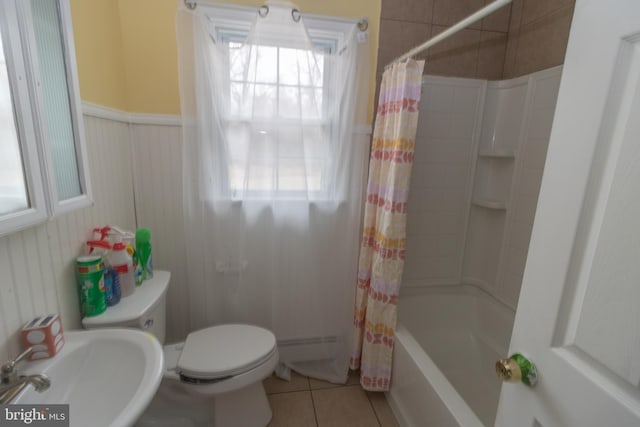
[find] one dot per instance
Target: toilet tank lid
(145, 297)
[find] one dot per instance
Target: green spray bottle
(143, 249)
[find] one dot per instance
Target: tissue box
(44, 335)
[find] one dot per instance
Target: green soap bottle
(143, 249)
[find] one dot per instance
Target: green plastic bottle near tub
(143, 248)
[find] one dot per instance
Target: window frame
(36, 212)
(23, 69)
(56, 207)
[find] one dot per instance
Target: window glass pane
(289, 71)
(239, 102)
(290, 140)
(264, 100)
(13, 191)
(262, 66)
(237, 61)
(292, 175)
(260, 175)
(289, 102)
(300, 67)
(56, 97)
(278, 94)
(314, 174)
(314, 142)
(311, 103)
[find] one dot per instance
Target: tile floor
(306, 402)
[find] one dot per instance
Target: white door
(578, 317)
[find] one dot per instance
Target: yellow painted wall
(149, 52)
(101, 69)
(150, 55)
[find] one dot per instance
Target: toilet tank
(145, 309)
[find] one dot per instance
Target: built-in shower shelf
(490, 204)
(498, 154)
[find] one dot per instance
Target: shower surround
(479, 158)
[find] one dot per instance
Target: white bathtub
(447, 342)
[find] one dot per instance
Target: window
(278, 108)
(281, 128)
(13, 185)
(43, 166)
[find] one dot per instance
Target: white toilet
(213, 379)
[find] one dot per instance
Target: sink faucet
(11, 384)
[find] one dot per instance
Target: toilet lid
(224, 351)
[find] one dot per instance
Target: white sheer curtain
(274, 171)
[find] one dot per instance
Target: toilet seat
(219, 352)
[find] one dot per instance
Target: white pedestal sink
(107, 376)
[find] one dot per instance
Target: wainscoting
(37, 264)
(132, 157)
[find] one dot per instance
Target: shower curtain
(274, 172)
(382, 249)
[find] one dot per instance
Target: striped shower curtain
(382, 249)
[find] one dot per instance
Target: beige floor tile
(382, 409)
(293, 409)
(353, 379)
(343, 407)
(274, 384)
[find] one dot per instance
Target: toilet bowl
(213, 378)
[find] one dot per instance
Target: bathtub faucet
(11, 384)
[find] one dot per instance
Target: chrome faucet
(11, 384)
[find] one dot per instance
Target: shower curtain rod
(487, 10)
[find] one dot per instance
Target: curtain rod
(487, 10)
(363, 23)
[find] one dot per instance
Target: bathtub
(447, 342)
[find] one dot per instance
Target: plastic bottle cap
(119, 246)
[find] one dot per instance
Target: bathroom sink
(107, 376)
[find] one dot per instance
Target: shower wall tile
(510, 57)
(538, 37)
(397, 37)
(534, 35)
(534, 10)
(408, 23)
(542, 43)
(408, 10)
(515, 19)
(447, 12)
(455, 56)
(491, 55)
(498, 20)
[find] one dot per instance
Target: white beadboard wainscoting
(157, 159)
(136, 173)
(156, 164)
(37, 264)
(155, 143)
